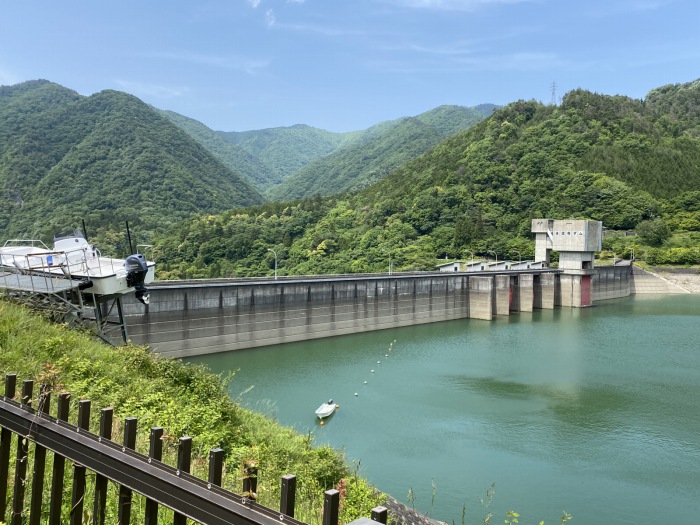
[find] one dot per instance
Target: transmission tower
(553, 102)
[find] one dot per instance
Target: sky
(345, 65)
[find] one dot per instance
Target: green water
(593, 411)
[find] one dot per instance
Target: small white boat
(74, 258)
(326, 409)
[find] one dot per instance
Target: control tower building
(576, 241)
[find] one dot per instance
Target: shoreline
(686, 278)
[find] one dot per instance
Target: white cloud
(514, 62)
(329, 31)
(626, 8)
(270, 17)
(247, 65)
(7, 78)
(453, 5)
(254, 3)
(142, 89)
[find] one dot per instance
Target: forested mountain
(594, 157)
(105, 158)
(293, 162)
(287, 149)
(252, 168)
(374, 153)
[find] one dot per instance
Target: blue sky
(343, 65)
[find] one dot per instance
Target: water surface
(594, 411)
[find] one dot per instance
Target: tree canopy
(475, 192)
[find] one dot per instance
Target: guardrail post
(288, 495)
(39, 463)
(379, 514)
(5, 438)
(184, 455)
(216, 466)
(76, 510)
(21, 460)
(331, 507)
(98, 509)
(250, 480)
(124, 515)
(59, 466)
(155, 451)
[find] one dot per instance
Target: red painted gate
(586, 290)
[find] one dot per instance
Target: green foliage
(673, 256)
(472, 195)
(185, 400)
(288, 149)
(375, 152)
(253, 168)
(653, 232)
(615, 159)
(106, 158)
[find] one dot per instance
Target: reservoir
(594, 411)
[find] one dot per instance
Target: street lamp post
(493, 252)
(391, 264)
(472, 254)
(275, 254)
(519, 256)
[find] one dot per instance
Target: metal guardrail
(341, 276)
(173, 487)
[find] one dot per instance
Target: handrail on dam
(344, 276)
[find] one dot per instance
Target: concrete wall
(480, 297)
(501, 295)
(524, 293)
(192, 319)
(644, 282)
(546, 291)
(195, 318)
(611, 282)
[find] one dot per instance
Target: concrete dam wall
(196, 318)
(193, 318)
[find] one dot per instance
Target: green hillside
(373, 154)
(105, 158)
(287, 149)
(186, 400)
(477, 192)
(293, 162)
(252, 168)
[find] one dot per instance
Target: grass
(185, 399)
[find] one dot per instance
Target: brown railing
(187, 496)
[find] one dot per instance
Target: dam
(189, 318)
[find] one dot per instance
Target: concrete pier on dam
(187, 318)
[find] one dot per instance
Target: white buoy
(378, 362)
(365, 382)
(373, 371)
(355, 393)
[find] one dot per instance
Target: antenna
(85, 230)
(128, 234)
(553, 102)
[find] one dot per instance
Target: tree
(653, 232)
